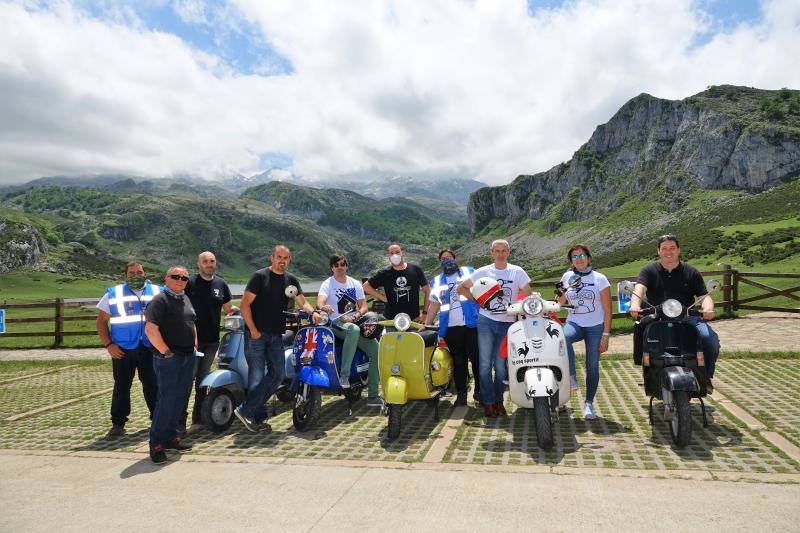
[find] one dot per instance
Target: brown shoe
(115, 431)
(500, 409)
(489, 411)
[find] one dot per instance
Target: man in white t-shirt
(342, 297)
(493, 323)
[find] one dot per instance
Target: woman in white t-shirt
(590, 293)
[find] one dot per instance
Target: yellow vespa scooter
(412, 366)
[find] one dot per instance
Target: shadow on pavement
(146, 466)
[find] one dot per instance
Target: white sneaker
(588, 411)
(344, 381)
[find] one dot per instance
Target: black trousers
(463, 344)
(139, 359)
(202, 368)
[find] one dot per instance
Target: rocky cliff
(723, 138)
(21, 246)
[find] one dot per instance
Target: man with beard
(121, 328)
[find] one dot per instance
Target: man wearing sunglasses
(669, 277)
(170, 328)
(262, 306)
(120, 326)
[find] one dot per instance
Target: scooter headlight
(402, 322)
(232, 323)
(532, 306)
(672, 308)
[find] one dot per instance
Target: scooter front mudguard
(679, 378)
(540, 382)
(223, 378)
(396, 391)
(315, 376)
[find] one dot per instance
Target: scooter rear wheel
(680, 427)
(544, 426)
(217, 410)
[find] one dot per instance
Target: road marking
(51, 371)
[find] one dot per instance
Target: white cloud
(448, 88)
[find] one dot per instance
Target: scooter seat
(431, 338)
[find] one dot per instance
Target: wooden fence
(730, 302)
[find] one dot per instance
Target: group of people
(170, 334)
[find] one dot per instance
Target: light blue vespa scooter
(226, 387)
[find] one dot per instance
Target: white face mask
(396, 259)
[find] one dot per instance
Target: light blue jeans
(592, 336)
(490, 334)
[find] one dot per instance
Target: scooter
(538, 366)
(673, 366)
(226, 387)
(413, 366)
(317, 357)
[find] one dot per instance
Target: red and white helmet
(485, 290)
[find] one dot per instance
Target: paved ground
(45, 493)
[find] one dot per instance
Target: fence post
(726, 292)
(59, 333)
(735, 296)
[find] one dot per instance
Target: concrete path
(762, 332)
(125, 492)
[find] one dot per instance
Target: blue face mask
(449, 266)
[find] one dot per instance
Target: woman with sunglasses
(590, 319)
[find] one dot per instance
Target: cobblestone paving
(768, 390)
(82, 426)
(620, 438)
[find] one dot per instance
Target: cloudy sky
(483, 89)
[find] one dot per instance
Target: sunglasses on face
(579, 256)
(178, 277)
(668, 237)
(340, 264)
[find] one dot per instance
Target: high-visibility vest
(127, 314)
(468, 307)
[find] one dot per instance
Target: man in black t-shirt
(263, 304)
(210, 296)
(401, 284)
(170, 329)
(669, 277)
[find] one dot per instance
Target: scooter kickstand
(703, 410)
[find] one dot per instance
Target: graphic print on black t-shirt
(346, 300)
(401, 290)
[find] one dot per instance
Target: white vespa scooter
(538, 366)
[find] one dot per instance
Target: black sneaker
(158, 455)
(181, 431)
(461, 399)
(249, 424)
(178, 446)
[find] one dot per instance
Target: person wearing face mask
(121, 328)
(458, 323)
(589, 320)
(401, 283)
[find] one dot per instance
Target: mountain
(657, 165)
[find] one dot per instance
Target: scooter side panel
(223, 378)
(536, 342)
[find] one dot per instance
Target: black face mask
(449, 266)
(583, 273)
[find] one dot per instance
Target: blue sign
(623, 299)
(2, 320)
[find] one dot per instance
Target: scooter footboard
(679, 378)
(540, 382)
(396, 390)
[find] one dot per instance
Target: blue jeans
(174, 378)
(592, 336)
(267, 351)
(710, 342)
(490, 335)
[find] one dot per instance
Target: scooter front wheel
(544, 426)
(395, 420)
(217, 410)
(680, 427)
(306, 413)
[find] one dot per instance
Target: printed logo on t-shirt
(402, 290)
(583, 299)
(346, 300)
(455, 301)
(216, 293)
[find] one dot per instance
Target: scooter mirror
(290, 291)
(713, 286)
(627, 286)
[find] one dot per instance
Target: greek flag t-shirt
(343, 297)
(585, 296)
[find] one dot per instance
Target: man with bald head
(210, 295)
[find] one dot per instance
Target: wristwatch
(107, 345)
